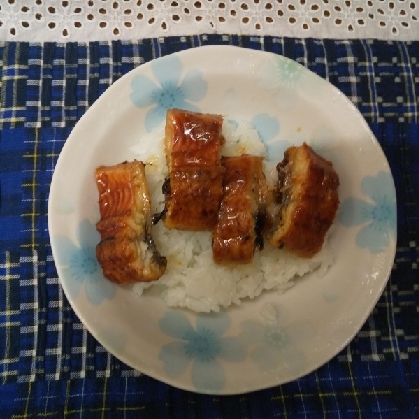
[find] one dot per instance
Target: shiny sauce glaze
(193, 188)
(126, 252)
(308, 198)
(241, 218)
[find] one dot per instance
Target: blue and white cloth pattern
(50, 366)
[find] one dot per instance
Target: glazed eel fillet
(126, 252)
(242, 211)
(308, 197)
(193, 188)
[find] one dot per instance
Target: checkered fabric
(50, 366)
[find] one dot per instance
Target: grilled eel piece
(193, 189)
(308, 197)
(126, 252)
(242, 212)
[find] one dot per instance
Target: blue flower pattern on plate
(378, 216)
(170, 92)
(276, 345)
(282, 77)
(286, 79)
(267, 128)
(203, 346)
(82, 266)
(288, 72)
(281, 72)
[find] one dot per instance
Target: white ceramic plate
(274, 338)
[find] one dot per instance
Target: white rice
(192, 279)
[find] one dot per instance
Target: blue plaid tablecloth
(50, 366)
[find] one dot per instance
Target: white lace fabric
(107, 20)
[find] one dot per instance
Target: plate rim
(75, 133)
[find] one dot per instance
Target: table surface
(50, 365)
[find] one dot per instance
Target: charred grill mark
(260, 222)
(159, 216)
(282, 192)
(284, 182)
(107, 239)
(157, 258)
(166, 190)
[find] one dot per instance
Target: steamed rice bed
(192, 279)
